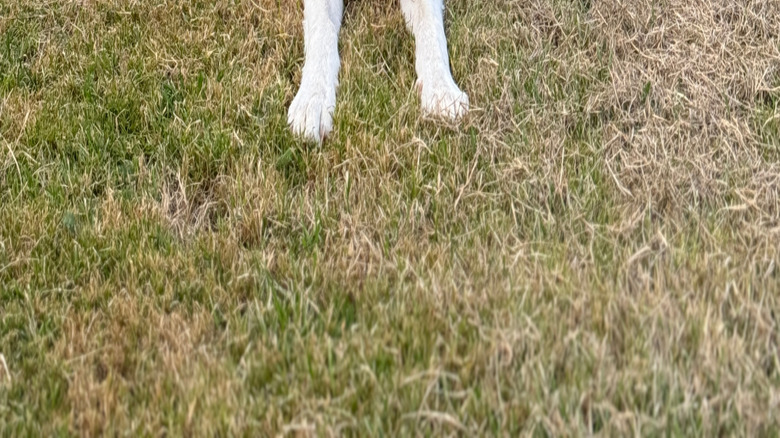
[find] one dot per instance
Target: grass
(594, 251)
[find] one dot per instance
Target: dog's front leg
(311, 112)
(439, 94)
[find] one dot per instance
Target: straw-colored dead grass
(694, 86)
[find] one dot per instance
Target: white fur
(439, 94)
(311, 112)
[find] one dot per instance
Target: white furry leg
(439, 94)
(311, 112)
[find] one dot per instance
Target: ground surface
(594, 250)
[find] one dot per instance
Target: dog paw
(441, 97)
(311, 113)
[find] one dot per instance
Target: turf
(594, 250)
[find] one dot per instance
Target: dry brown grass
(694, 84)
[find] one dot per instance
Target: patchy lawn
(594, 250)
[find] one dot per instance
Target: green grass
(593, 251)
